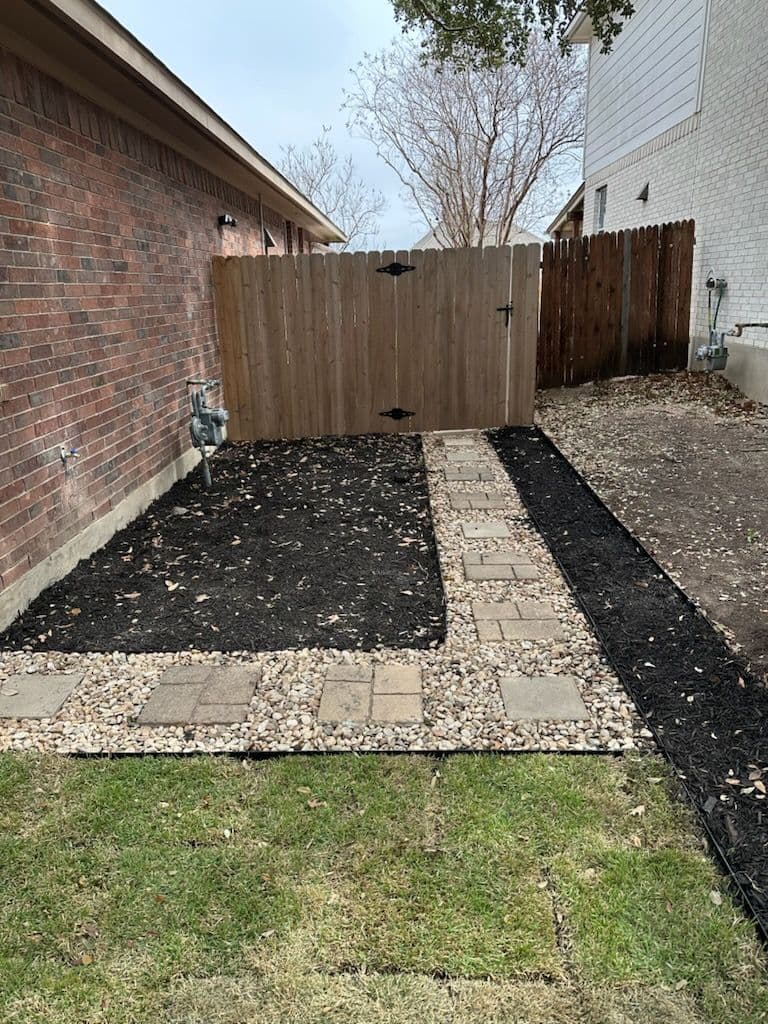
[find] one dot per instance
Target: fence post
(626, 285)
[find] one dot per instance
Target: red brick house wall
(106, 239)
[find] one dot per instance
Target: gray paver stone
(495, 610)
(461, 455)
(531, 629)
(397, 707)
(474, 531)
(342, 701)
(454, 474)
(229, 689)
(536, 610)
(182, 674)
(488, 629)
(219, 714)
(460, 502)
(397, 679)
(504, 558)
(38, 694)
(171, 705)
(542, 698)
(350, 673)
(526, 572)
(489, 572)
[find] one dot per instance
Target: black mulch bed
(323, 542)
(708, 713)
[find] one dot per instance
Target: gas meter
(715, 354)
(206, 424)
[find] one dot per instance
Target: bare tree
(475, 148)
(334, 186)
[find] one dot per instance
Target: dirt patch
(324, 542)
(708, 712)
(683, 461)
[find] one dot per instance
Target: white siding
(647, 83)
(713, 167)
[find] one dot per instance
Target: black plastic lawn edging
(277, 755)
(708, 714)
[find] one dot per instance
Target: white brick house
(678, 111)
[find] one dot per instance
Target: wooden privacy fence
(615, 304)
(326, 343)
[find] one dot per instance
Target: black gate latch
(397, 413)
(507, 310)
(395, 269)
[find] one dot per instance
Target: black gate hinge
(395, 269)
(397, 413)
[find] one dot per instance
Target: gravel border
(462, 700)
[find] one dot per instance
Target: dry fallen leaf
(317, 803)
(716, 898)
(171, 585)
(202, 597)
(638, 811)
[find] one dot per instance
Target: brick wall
(713, 167)
(105, 307)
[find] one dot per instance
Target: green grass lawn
(400, 889)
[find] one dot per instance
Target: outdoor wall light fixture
(226, 220)
(643, 197)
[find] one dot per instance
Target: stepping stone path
(516, 620)
(542, 699)
(201, 695)
(476, 500)
(498, 565)
(35, 694)
(472, 693)
(384, 693)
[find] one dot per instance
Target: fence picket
(615, 303)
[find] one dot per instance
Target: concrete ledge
(19, 595)
(747, 368)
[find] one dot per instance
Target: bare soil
(682, 460)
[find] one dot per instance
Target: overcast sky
(276, 72)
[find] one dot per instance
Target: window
(601, 202)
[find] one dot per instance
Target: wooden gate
(615, 304)
(325, 343)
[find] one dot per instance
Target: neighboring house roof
(575, 201)
(436, 238)
(83, 46)
(580, 29)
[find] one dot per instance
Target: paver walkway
(519, 670)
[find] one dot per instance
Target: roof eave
(150, 86)
(579, 30)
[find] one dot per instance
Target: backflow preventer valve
(207, 422)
